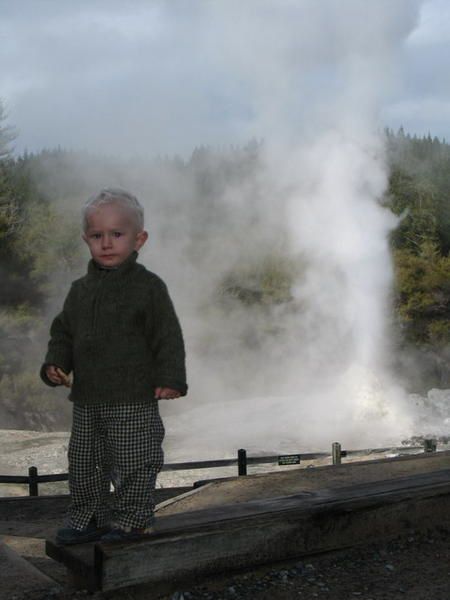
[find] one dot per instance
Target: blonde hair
(114, 196)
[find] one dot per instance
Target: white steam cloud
(325, 376)
(309, 77)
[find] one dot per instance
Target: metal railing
(242, 461)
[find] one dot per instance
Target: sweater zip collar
(96, 271)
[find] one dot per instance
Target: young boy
(119, 335)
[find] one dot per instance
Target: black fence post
(33, 481)
(242, 462)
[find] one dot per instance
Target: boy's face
(112, 234)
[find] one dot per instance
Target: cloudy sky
(162, 76)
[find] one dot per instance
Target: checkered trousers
(121, 444)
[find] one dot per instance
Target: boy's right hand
(57, 375)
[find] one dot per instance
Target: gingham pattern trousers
(118, 444)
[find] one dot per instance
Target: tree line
(419, 193)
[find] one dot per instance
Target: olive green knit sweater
(119, 334)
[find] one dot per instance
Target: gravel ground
(416, 567)
(413, 567)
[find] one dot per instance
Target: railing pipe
(242, 461)
(200, 464)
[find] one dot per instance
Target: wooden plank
(198, 555)
(222, 538)
(306, 501)
(237, 535)
(26, 508)
(172, 500)
(79, 561)
(292, 480)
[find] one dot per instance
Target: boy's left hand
(165, 393)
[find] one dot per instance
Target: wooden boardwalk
(189, 545)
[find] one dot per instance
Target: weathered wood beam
(194, 544)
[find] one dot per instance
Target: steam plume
(309, 78)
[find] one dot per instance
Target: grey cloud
(162, 77)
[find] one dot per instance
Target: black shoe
(120, 535)
(68, 535)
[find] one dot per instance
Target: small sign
(289, 459)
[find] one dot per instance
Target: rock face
(439, 402)
(432, 413)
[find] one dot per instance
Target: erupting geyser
(317, 99)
